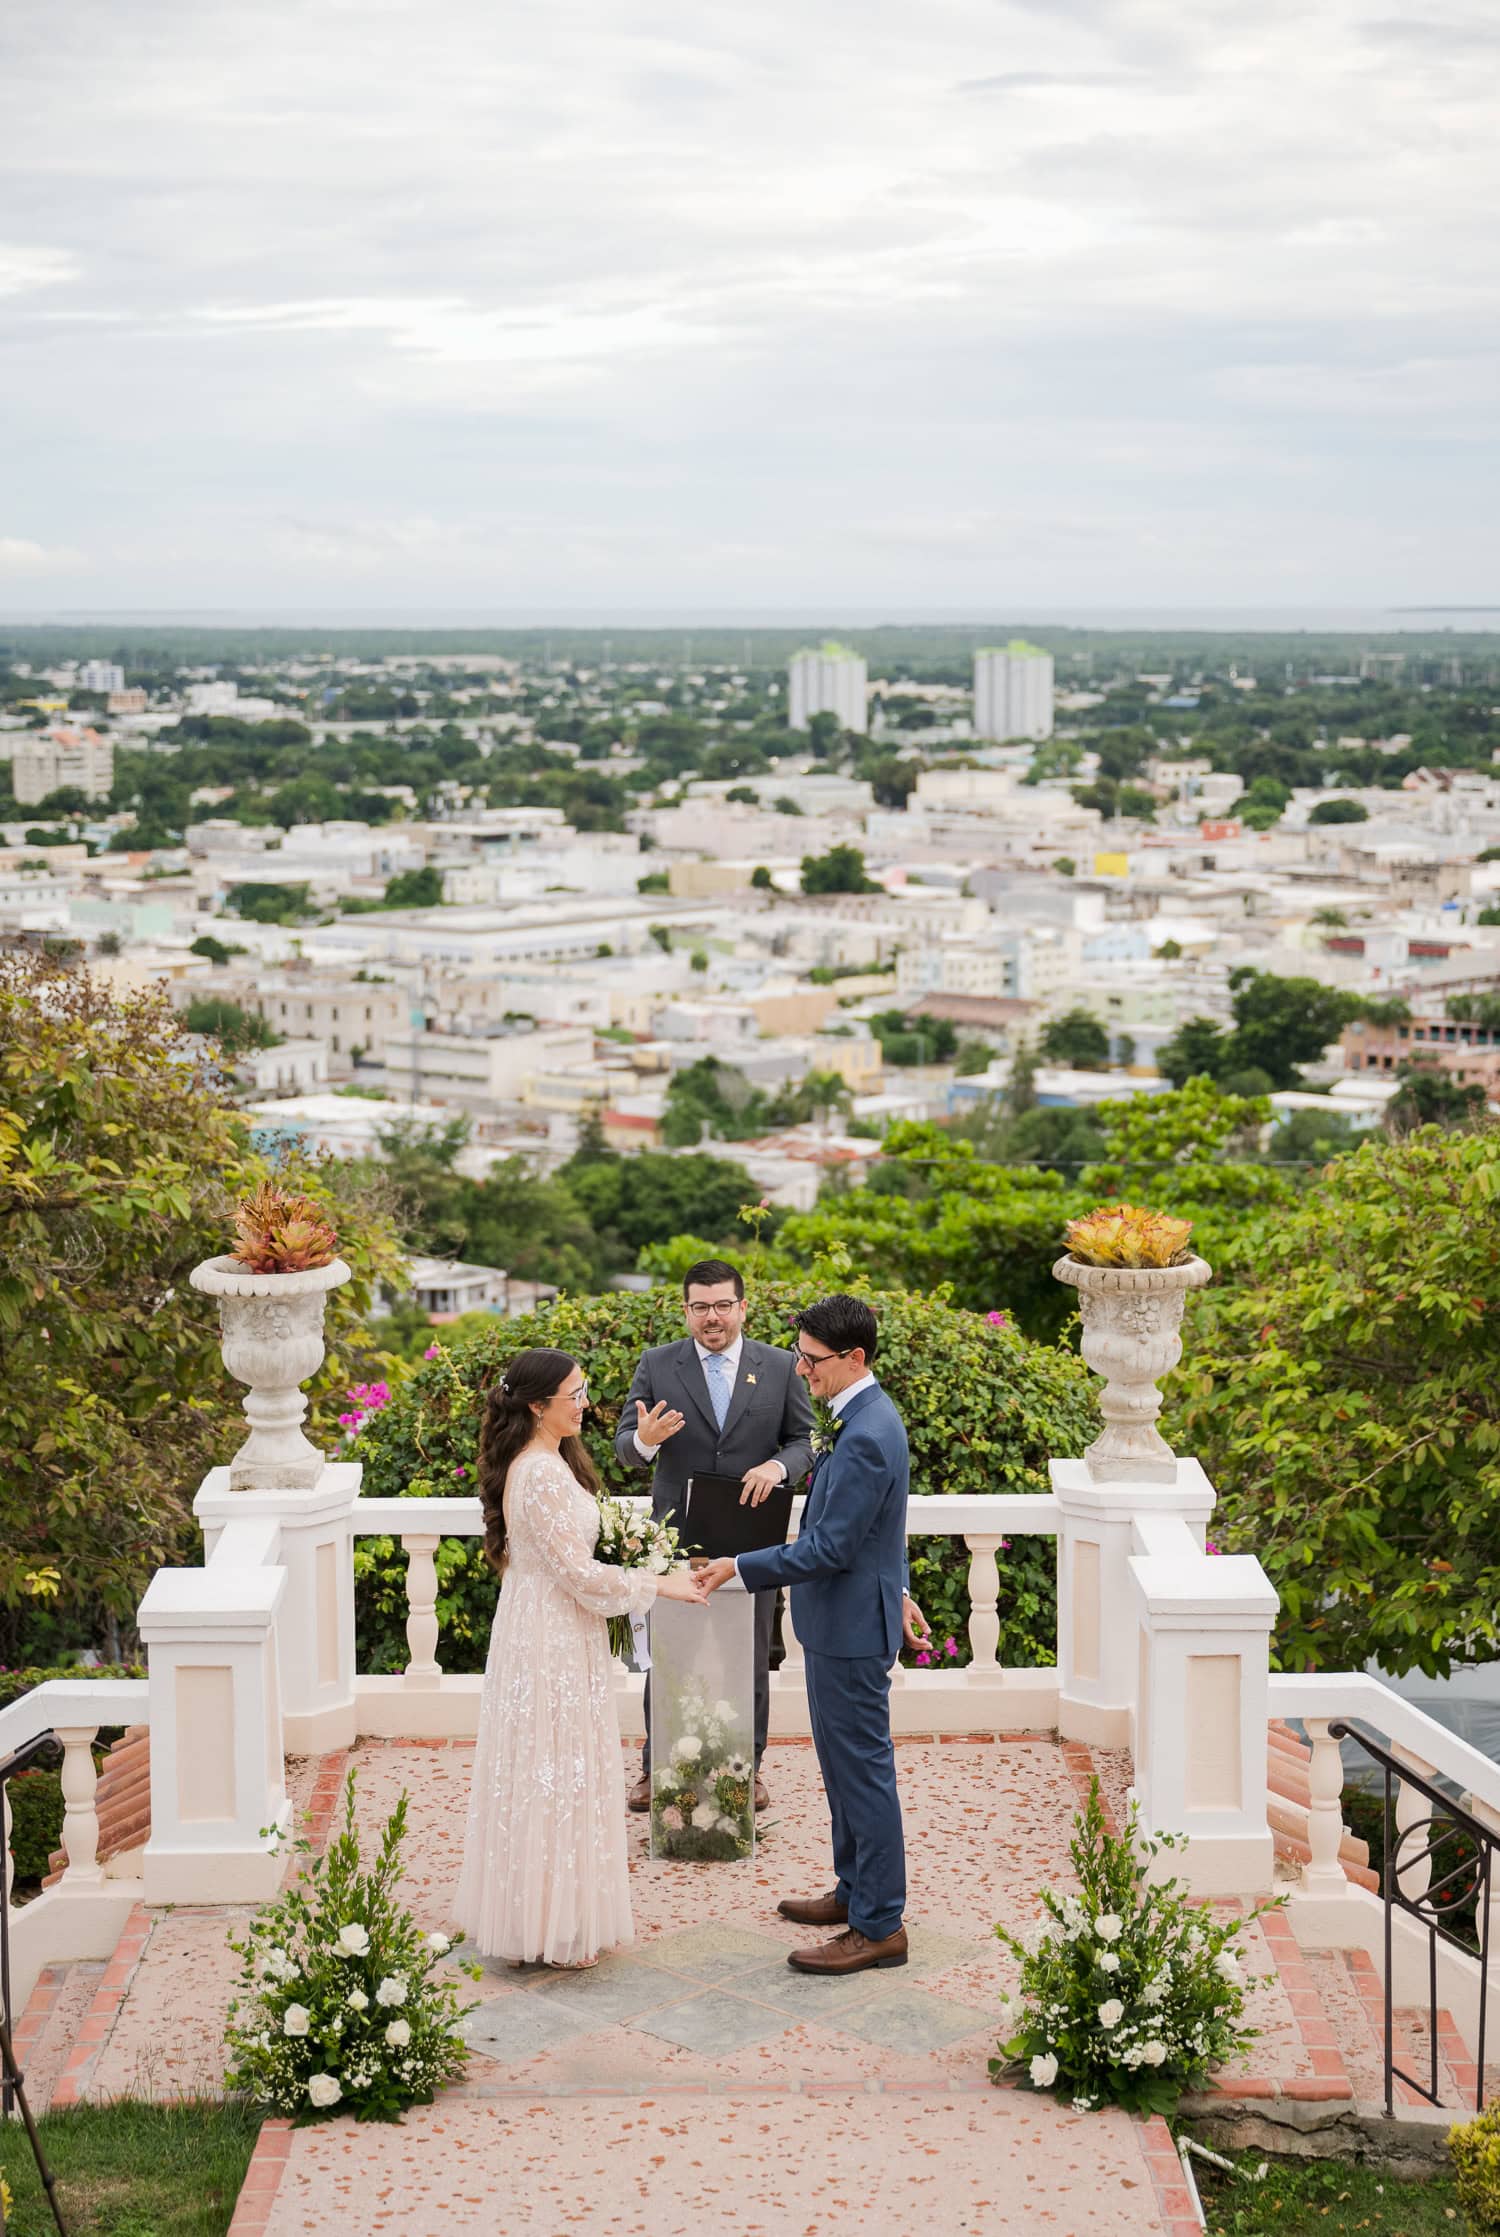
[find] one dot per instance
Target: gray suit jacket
(769, 1418)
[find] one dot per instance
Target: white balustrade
(1323, 1874)
(423, 1670)
(1412, 1863)
(984, 1597)
(80, 1828)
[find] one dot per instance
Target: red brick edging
(268, 2163)
(73, 2082)
(1172, 2195)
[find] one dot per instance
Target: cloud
(19, 556)
(903, 306)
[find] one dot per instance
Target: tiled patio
(695, 2083)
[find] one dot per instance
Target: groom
(847, 1571)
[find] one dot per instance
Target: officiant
(717, 1403)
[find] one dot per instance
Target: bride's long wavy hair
(508, 1427)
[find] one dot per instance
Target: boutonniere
(825, 1436)
(749, 1378)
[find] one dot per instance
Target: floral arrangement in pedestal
(1131, 1993)
(702, 1802)
(340, 2008)
(628, 1540)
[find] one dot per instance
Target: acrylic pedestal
(703, 1728)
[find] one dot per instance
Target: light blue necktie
(718, 1386)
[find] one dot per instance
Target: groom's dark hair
(843, 1323)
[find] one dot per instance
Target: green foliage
(231, 1026)
(216, 950)
(1076, 1039)
(339, 2006)
(1279, 1024)
(1338, 811)
(536, 1229)
(1322, 2198)
(1429, 1096)
(719, 1097)
(904, 1041)
(655, 881)
(1345, 1397)
(761, 880)
(119, 1167)
(841, 870)
(984, 1411)
(648, 1198)
(1130, 1992)
(268, 904)
(1482, 1010)
(1474, 2147)
(414, 889)
(36, 1807)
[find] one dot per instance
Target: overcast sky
(590, 303)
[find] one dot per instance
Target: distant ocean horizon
(1313, 620)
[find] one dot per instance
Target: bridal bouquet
(338, 2010)
(1130, 1992)
(628, 1540)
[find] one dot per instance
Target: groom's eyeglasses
(816, 1359)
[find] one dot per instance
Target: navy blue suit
(847, 1570)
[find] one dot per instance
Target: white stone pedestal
(1096, 1647)
(315, 1624)
(703, 1728)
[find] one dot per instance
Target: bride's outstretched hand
(683, 1584)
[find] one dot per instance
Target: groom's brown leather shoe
(851, 1952)
(639, 1797)
(814, 1910)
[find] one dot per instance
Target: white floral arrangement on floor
(1134, 1992)
(628, 1540)
(339, 2008)
(702, 1801)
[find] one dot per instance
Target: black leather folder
(714, 1521)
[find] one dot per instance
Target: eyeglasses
(820, 1359)
(578, 1397)
(710, 1312)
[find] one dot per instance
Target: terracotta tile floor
(692, 2082)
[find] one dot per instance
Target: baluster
(423, 1669)
(1489, 1818)
(1323, 1874)
(984, 1593)
(1414, 1858)
(9, 1864)
(80, 1830)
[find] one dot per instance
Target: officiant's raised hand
(657, 1423)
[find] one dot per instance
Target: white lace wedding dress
(544, 1872)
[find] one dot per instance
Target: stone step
(49, 2027)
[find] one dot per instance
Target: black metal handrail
(21, 1760)
(1461, 1876)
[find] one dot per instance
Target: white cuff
(647, 1452)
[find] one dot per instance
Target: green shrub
(1475, 2147)
(985, 1408)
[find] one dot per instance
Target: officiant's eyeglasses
(721, 1306)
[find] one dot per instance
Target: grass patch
(1298, 2196)
(133, 2169)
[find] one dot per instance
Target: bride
(544, 1872)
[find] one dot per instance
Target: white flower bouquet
(628, 1540)
(702, 1802)
(1130, 1993)
(339, 2010)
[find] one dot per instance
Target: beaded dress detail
(544, 1870)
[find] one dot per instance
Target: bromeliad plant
(340, 2008)
(278, 1233)
(1127, 1235)
(1130, 1993)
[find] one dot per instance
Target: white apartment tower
(830, 680)
(72, 760)
(1013, 691)
(101, 675)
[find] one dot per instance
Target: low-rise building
(62, 760)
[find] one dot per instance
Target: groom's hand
(715, 1573)
(760, 1482)
(915, 1629)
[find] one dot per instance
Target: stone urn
(1131, 1321)
(271, 1335)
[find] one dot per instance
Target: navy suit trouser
(849, 1700)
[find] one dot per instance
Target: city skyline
(998, 309)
